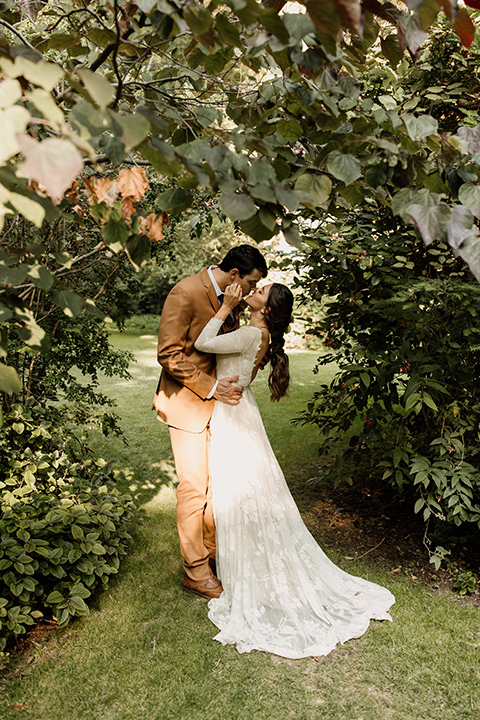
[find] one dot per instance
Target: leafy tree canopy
(235, 99)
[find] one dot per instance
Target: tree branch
(19, 35)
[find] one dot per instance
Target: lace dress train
(281, 593)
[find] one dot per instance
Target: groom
(185, 397)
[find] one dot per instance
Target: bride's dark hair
(278, 316)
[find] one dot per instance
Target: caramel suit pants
(196, 529)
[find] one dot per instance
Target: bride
(281, 593)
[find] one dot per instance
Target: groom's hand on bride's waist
(227, 391)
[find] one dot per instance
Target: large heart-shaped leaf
(420, 127)
(237, 206)
(344, 167)
(9, 380)
(469, 195)
(459, 226)
(97, 86)
(71, 303)
(55, 163)
(313, 190)
(430, 221)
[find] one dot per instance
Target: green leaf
(115, 233)
(10, 92)
(71, 303)
(162, 156)
(429, 401)
(44, 74)
(80, 590)
(469, 195)
(97, 87)
(113, 148)
(272, 21)
(289, 129)
(375, 176)
(135, 129)
(41, 277)
(77, 532)
(138, 249)
(55, 597)
(100, 211)
(228, 29)
(29, 584)
(391, 49)
(430, 221)
(287, 197)
(198, 18)
(418, 128)
(344, 167)
(13, 120)
(412, 400)
(406, 197)
(237, 206)
(215, 63)
(63, 617)
(460, 226)
(206, 116)
(11, 276)
(419, 505)
(29, 208)
(313, 190)
(292, 236)
(470, 252)
(90, 119)
(255, 228)
(9, 380)
(174, 201)
(365, 379)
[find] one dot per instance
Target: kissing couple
(243, 542)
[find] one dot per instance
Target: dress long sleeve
(232, 343)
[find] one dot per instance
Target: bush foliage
(63, 524)
(402, 324)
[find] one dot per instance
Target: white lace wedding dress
(281, 593)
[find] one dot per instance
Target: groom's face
(247, 282)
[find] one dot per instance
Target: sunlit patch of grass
(147, 652)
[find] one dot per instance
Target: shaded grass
(146, 651)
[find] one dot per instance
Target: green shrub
(63, 523)
(401, 322)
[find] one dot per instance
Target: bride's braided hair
(278, 316)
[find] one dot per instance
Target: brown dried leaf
(128, 208)
(72, 192)
(83, 212)
(133, 183)
(89, 183)
(106, 190)
(153, 226)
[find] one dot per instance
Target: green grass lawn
(146, 650)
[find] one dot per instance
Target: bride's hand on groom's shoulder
(227, 391)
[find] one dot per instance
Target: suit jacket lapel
(209, 289)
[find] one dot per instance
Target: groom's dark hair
(246, 259)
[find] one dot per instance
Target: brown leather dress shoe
(210, 588)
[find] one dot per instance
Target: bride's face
(258, 299)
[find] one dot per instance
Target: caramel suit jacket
(188, 375)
